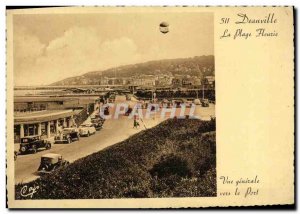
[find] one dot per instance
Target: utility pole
(202, 91)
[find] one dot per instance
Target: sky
(51, 47)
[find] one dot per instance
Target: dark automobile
(166, 103)
(204, 103)
(68, 135)
(177, 103)
(97, 122)
(33, 143)
(129, 110)
(145, 105)
(51, 162)
(106, 111)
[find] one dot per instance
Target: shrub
(207, 126)
(171, 165)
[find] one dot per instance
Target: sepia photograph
(150, 107)
(114, 105)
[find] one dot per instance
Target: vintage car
(188, 103)
(87, 129)
(106, 111)
(145, 104)
(97, 122)
(33, 143)
(177, 103)
(51, 162)
(68, 135)
(197, 102)
(128, 111)
(112, 98)
(204, 103)
(165, 103)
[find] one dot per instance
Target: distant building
(144, 80)
(209, 81)
(103, 81)
(43, 103)
(127, 81)
(197, 81)
(177, 82)
(163, 80)
(43, 115)
(187, 81)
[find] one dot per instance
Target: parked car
(204, 103)
(33, 143)
(51, 162)
(68, 135)
(106, 111)
(97, 122)
(87, 129)
(128, 112)
(177, 103)
(145, 104)
(112, 98)
(188, 104)
(96, 116)
(197, 102)
(166, 103)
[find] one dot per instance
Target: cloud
(77, 51)
(27, 46)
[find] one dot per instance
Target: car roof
(51, 155)
(31, 136)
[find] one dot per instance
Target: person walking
(135, 122)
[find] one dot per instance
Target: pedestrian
(135, 122)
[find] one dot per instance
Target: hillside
(190, 66)
(177, 158)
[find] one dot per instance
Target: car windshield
(24, 140)
(85, 125)
(29, 139)
(46, 160)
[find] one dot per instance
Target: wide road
(113, 131)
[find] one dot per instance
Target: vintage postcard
(150, 107)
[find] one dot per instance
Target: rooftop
(41, 99)
(43, 116)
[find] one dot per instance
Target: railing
(27, 111)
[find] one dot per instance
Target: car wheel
(33, 149)
(23, 150)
